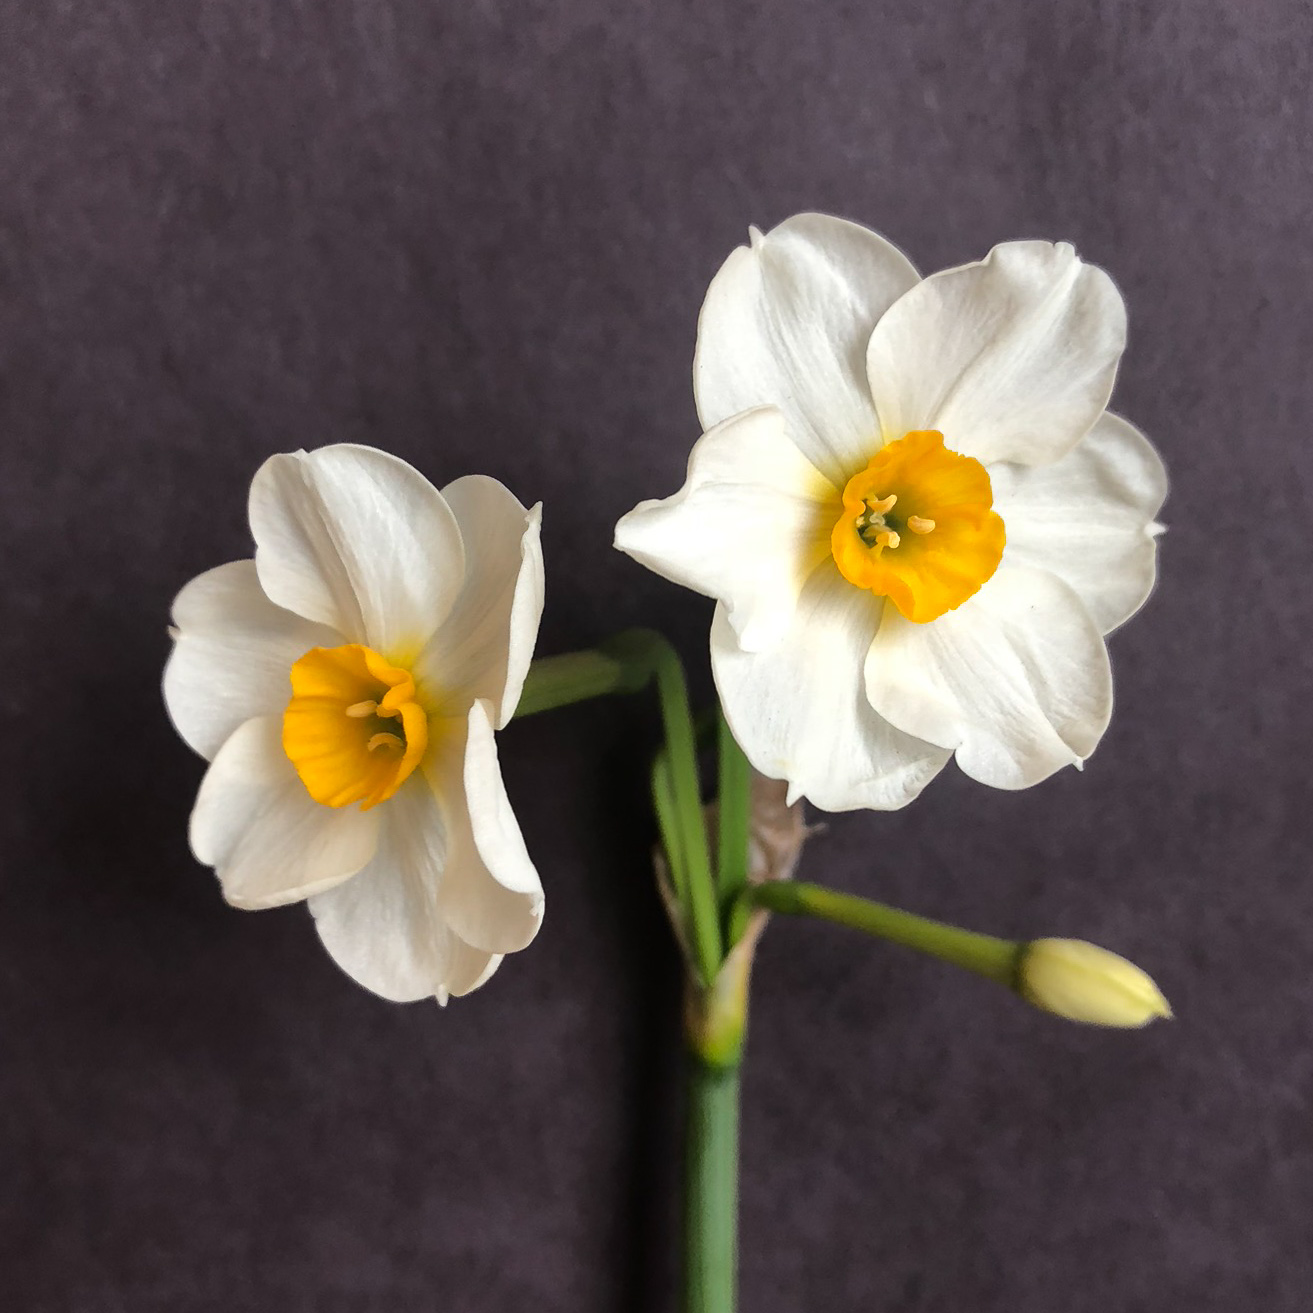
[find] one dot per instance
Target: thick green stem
(715, 1028)
(711, 1188)
(996, 959)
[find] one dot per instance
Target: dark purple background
(477, 234)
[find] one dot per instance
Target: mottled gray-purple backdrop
(477, 234)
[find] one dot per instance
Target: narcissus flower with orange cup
(345, 686)
(915, 512)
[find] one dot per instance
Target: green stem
(718, 990)
(668, 827)
(646, 650)
(625, 664)
(711, 1187)
(734, 810)
(558, 681)
(996, 959)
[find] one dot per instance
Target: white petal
(467, 969)
(232, 655)
(800, 713)
(357, 539)
(484, 647)
(491, 895)
(384, 928)
(786, 322)
(1012, 358)
(1088, 518)
(270, 842)
(748, 527)
(1016, 679)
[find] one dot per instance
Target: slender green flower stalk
(559, 681)
(1067, 977)
(995, 959)
(734, 802)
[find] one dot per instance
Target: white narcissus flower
(915, 513)
(344, 686)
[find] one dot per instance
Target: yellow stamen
(354, 729)
(937, 491)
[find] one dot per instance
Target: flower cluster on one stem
(919, 522)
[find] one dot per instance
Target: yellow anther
(359, 710)
(919, 524)
(887, 538)
(385, 741)
(884, 505)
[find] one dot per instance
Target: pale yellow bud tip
(1084, 982)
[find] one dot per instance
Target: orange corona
(354, 729)
(918, 526)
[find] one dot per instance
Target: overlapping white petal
(484, 647)
(1016, 681)
(491, 895)
(1089, 518)
(356, 539)
(786, 322)
(269, 842)
(749, 526)
(1012, 358)
(385, 929)
(231, 655)
(800, 711)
